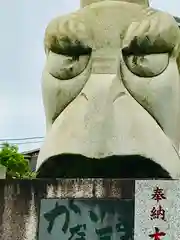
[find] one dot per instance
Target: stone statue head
(111, 92)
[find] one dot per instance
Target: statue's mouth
(76, 166)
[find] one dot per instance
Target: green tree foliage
(16, 165)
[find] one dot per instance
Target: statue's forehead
(108, 22)
(104, 23)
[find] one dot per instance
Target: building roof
(177, 20)
(31, 152)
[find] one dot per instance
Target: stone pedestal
(87, 2)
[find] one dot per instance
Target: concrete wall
(23, 205)
(20, 201)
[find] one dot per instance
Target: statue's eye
(149, 65)
(66, 67)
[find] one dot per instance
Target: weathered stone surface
(157, 205)
(111, 93)
(95, 219)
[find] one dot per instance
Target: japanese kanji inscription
(157, 235)
(86, 219)
(156, 210)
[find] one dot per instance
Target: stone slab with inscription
(86, 219)
(151, 212)
(157, 210)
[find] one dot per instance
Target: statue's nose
(104, 85)
(100, 93)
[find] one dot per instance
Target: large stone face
(111, 93)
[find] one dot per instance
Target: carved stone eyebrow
(142, 46)
(69, 47)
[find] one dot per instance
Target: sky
(22, 59)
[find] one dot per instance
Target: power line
(21, 139)
(20, 143)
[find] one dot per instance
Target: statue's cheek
(156, 86)
(62, 80)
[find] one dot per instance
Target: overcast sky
(22, 59)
